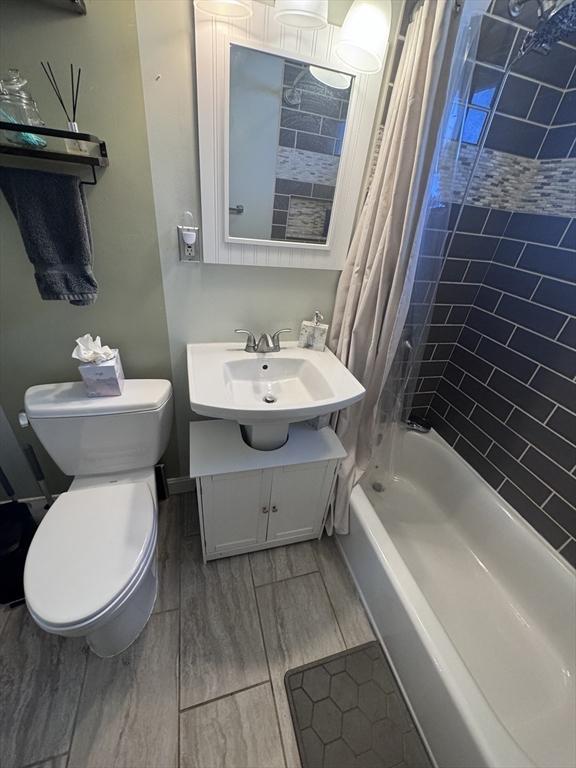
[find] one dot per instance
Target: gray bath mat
(348, 712)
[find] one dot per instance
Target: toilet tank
(96, 435)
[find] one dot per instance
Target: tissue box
(103, 379)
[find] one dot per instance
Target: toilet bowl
(91, 568)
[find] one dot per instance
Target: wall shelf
(97, 160)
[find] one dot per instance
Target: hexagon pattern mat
(348, 712)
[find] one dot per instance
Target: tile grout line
(513, 349)
(563, 327)
(39, 763)
(181, 541)
(224, 696)
(254, 591)
(506, 293)
(502, 370)
(523, 466)
(565, 544)
(504, 423)
(556, 408)
(86, 652)
(328, 594)
(509, 480)
(286, 578)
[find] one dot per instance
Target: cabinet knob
(274, 508)
(264, 510)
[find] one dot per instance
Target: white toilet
(91, 567)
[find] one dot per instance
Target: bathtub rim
(495, 743)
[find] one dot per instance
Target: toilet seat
(89, 554)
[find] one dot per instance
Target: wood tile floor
(203, 686)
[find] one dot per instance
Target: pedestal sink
(266, 392)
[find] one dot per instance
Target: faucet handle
(276, 338)
(250, 340)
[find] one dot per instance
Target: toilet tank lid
(70, 399)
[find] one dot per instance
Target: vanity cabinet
(250, 500)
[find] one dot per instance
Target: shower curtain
(375, 287)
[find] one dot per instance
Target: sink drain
(269, 399)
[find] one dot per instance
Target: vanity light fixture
(305, 14)
(364, 35)
(230, 9)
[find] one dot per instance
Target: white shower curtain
(375, 287)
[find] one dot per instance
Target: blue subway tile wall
(498, 380)
(503, 387)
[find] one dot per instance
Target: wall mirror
(286, 131)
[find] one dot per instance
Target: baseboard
(181, 485)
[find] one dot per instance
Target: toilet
(91, 568)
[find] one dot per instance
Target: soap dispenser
(313, 333)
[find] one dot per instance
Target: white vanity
(264, 474)
(250, 499)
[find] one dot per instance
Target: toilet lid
(87, 550)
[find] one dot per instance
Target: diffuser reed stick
(74, 89)
(54, 83)
(73, 145)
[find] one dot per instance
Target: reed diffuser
(73, 146)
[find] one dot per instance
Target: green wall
(37, 337)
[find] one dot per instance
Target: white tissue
(90, 350)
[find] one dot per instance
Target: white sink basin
(265, 392)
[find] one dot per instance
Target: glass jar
(18, 106)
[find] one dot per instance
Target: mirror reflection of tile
(312, 123)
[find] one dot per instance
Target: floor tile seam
(179, 670)
(346, 646)
(37, 763)
(286, 578)
(228, 695)
(86, 651)
(262, 635)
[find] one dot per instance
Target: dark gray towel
(51, 212)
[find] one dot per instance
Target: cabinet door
(298, 500)
(235, 511)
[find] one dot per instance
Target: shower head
(557, 21)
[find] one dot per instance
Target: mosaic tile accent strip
(513, 183)
(303, 165)
(308, 218)
(348, 712)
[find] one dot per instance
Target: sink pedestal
(265, 436)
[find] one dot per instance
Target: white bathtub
(476, 611)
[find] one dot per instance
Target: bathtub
(476, 611)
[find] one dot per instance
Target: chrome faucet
(265, 343)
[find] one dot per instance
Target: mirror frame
(261, 32)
